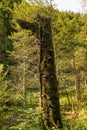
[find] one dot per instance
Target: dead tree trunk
(48, 80)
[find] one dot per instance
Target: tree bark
(48, 81)
(49, 86)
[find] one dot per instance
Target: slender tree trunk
(3, 42)
(48, 80)
(77, 80)
(78, 87)
(84, 79)
(23, 81)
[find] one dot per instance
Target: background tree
(25, 58)
(68, 28)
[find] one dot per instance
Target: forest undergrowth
(74, 114)
(28, 117)
(22, 112)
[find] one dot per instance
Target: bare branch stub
(28, 25)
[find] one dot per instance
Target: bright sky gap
(69, 5)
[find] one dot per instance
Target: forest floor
(74, 114)
(28, 117)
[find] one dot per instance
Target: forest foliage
(19, 65)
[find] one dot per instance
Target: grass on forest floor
(74, 114)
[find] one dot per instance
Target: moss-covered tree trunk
(48, 80)
(49, 87)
